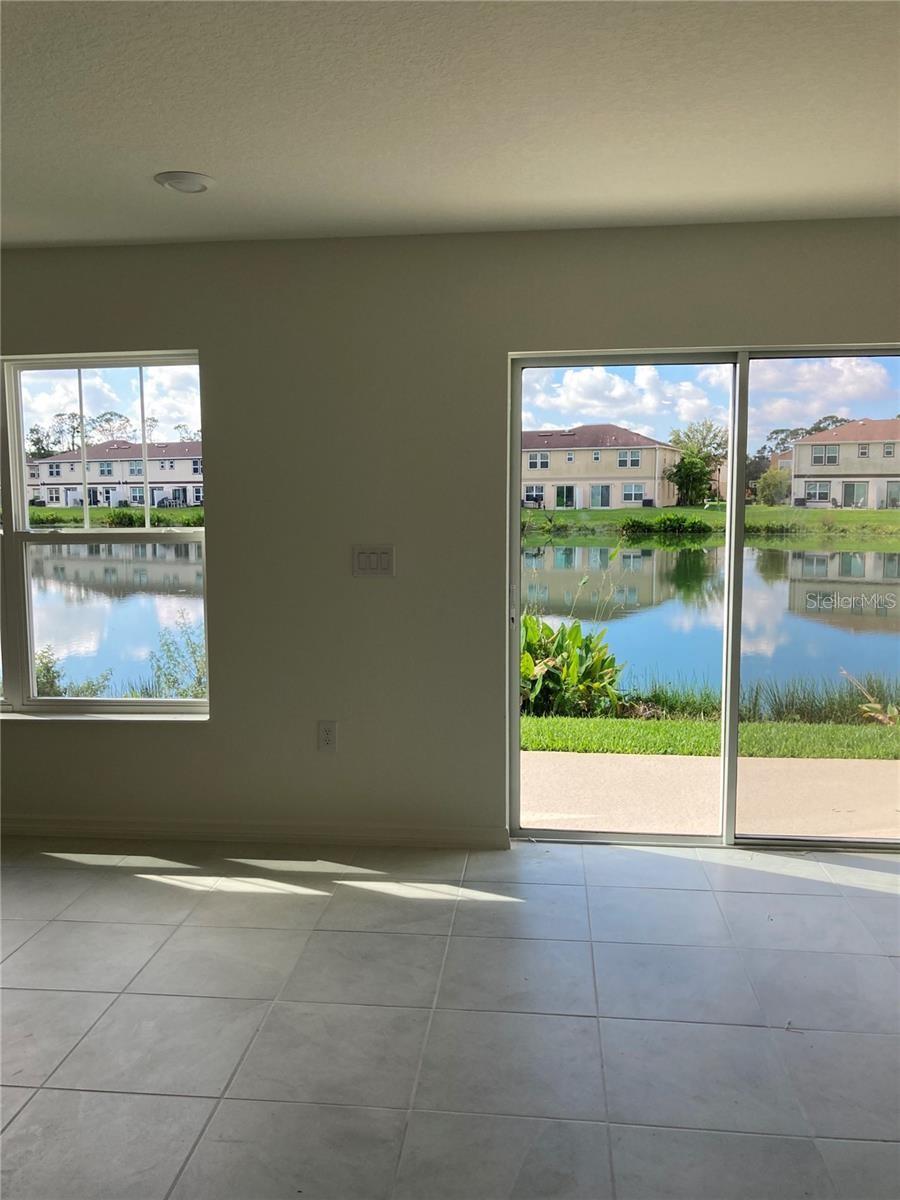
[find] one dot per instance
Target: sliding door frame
(740, 357)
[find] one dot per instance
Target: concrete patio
(679, 794)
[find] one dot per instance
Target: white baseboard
(308, 834)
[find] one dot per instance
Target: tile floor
(209, 1022)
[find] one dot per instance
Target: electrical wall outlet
(327, 735)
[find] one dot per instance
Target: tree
(150, 424)
(38, 442)
(186, 433)
(110, 427)
(774, 486)
(783, 439)
(65, 429)
(691, 476)
(707, 439)
(757, 465)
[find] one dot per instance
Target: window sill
(99, 716)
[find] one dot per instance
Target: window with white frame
(825, 456)
(197, 466)
(818, 490)
(570, 456)
(534, 493)
(198, 494)
(629, 458)
(862, 450)
(596, 456)
(633, 492)
(888, 449)
(94, 650)
(538, 460)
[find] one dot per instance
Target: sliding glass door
(706, 626)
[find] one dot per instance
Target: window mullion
(85, 507)
(144, 452)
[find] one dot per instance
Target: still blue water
(805, 614)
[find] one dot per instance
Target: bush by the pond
(669, 525)
(565, 672)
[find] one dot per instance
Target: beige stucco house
(595, 466)
(852, 466)
(116, 474)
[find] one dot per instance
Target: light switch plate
(374, 562)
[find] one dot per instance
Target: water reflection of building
(598, 582)
(857, 589)
(120, 569)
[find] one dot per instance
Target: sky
(171, 395)
(654, 400)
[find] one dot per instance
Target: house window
(564, 558)
(892, 494)
(888, 449)
(34, 472)
(537, 593)
(198, 495)
(825, 455)
(856, 495)
(629, 458)
(633, 492)
(596, 456)
(599, 495)
(538, 460)
(853, 565)
(598, 557)
(815, 566)
(534, 493)
(139, 657)
(632, 560)
(570, 456)
(818, 490)
(197, 466)
(890, 566)
(565, 495)
(862, 450)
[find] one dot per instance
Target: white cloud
(828, 381)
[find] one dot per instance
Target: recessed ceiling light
(184, 181)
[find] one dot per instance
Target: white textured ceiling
(365, 118)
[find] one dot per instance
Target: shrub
(564, 672)
(670, 526)
(124, 516)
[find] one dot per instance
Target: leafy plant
(669, 526)
(51, 679)
(873, 710)
(124, 516)
(565, 672)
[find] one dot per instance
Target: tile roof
(585, 437)
(121, 449)
(858, 431)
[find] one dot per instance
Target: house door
(155, 494)
(179, 495)
(856, 495)
(599, 495)
(565, 495)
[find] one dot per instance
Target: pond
(806, 613)
(104, 607)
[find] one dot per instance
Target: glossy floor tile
(183, 1021)
(255, 1150)
(452, 1156)
(98, 1146)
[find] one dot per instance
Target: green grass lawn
(758, 739)
(99, 516)
(762, 523)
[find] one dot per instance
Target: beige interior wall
(372, 377)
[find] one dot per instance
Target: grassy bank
(103, 518)
(763, 524)
(758, 739)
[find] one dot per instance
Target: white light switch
(374, 562)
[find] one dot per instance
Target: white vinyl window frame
(826, 456)
(534, 493)
(739, 359)
(16, 615)
(596, 456)
(632, 493)
(629, 458)
(888, 450)
(818, 491)
(862, 450)
(538, 460)
(570, 456)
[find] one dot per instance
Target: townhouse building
(116, 475)
(595, 466)
(852, 466)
